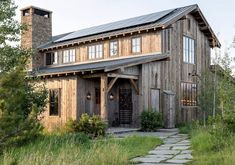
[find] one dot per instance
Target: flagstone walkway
(174, 151)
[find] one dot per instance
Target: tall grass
(78, 149)
(212, 148)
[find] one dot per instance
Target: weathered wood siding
(176, 71)
(150, 43)
(68, 101)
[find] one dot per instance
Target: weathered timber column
(103, 97)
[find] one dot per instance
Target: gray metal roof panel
(131, 22)
(101, 65)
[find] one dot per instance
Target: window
(41, 13)
(188, 94)
(69, 56)
(26, 12)
(189, 50)
(51, 58)
(113, 48)
(95, 51)
(189, 24)
(136, 45)
(54, 99)
(166, 37)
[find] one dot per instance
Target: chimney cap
(34, 7)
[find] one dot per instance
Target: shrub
(229, 121)
(93, 126)
(150, 120)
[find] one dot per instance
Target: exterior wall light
(88, 96)
(111, 97)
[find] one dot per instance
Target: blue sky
(71, 15)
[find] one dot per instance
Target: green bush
(150, 120)
(229, 121)
(93, 126)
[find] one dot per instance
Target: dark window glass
(54, 102)
(51, 58)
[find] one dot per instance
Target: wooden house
(117, 70)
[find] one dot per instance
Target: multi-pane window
(189, 50)
(113, 48)
(188, 94)
(95, 51)
(136, 45)
(54, 99)
(51, 58)
(69, 56)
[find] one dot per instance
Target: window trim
(59, 103)
(54, 52)
(96, 44)
(69, 56)
(188, 51)
(135, 37)
(117, 48)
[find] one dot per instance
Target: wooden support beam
(103, 98)
(93, 75)
(111, 84)
(204, 28)
(135, 86)
(125, 76)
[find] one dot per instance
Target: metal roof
(131, 22)
(158, 19)
(108, 65)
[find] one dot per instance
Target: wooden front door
(125, 106)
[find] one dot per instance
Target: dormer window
(51, 58)
(113, 48)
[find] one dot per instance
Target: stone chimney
(39, 31)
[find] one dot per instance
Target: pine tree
(21, 101)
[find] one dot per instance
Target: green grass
(79, 150)
(212, 148)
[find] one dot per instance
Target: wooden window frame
(58, 112)
(95, 51)
(136, 37)
(189, 51)
(52, 59)
(70, 55)
(110, 50)
(187, 91)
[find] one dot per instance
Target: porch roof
(104, 65)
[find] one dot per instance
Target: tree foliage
(21, 100)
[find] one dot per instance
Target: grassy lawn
(77, 149)
(211, 148)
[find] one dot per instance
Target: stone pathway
(174, 151)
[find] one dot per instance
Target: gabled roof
(104, 65)
(155, 20)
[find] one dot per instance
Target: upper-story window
(113, 48)
(95, 51)
(189, 50)
(51, 58)
(69, 56)
(136, 45)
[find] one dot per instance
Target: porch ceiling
(104, 65)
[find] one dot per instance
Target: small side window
(54, 100)
(26, 12)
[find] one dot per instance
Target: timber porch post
(103, 97)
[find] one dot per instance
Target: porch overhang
(102, 66)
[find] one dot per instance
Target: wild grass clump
(212, 144)
(79, 149)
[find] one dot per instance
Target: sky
(72, 15)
